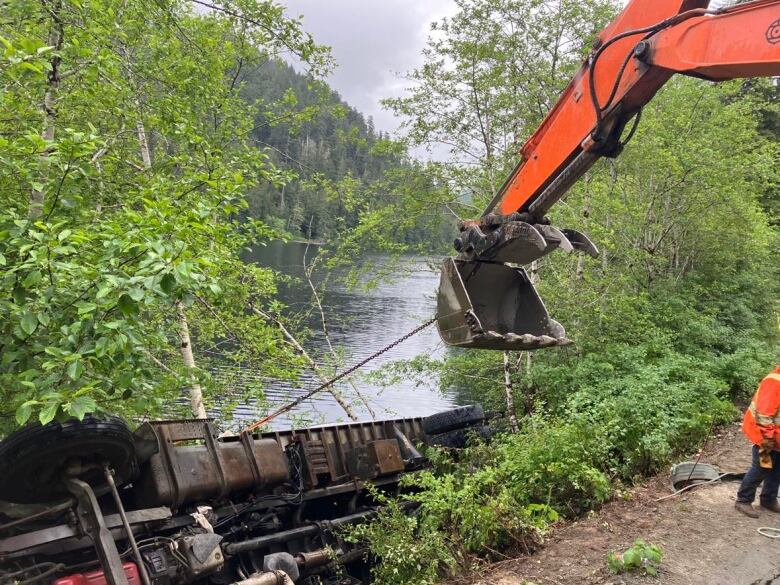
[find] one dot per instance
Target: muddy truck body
(90, 502)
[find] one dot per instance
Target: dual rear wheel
(36, 459)
(455, 428)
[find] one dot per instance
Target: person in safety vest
(762, 426)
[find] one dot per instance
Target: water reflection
(360, 322)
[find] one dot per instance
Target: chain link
(344, 374)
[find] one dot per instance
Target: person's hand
(768, 444)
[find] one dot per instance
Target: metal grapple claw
(581, 243)
(555, 238)
(486, 300)
(519, 243)
(516, 241)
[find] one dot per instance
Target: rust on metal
(191, 464)
(375, 459)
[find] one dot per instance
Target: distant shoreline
(309, 242)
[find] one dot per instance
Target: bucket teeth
(513, 341)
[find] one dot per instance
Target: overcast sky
(371, 40)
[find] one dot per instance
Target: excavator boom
(486, 299)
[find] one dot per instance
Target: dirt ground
(704, 540)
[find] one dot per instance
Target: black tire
(460, 438)
(449, 420)
(33, 458)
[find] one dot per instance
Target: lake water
(360, 322)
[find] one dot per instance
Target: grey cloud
(371, 42)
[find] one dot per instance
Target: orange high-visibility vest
(762, 418)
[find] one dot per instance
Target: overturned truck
(90, 502)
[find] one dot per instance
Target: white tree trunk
(56, 36)
(533, 272)
(580, 273)
(510, 394)
(197, 405)
(196, 392)
(312, 364)
(533, 276)
(143, 143)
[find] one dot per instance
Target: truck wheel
(33, 458)
(456, 418)
(460, 438)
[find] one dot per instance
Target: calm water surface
(360, 322)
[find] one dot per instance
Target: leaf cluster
(642, 557)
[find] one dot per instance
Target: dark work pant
(755, 475)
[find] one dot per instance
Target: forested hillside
(337, 163)
(331, 140)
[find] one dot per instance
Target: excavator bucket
(490, 305)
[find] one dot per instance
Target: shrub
(493, 497)
(405, 547)
(642, 557)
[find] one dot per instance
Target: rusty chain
(289, 406)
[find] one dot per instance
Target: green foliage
(407, 549)
(508, 491)
(491, 72)
(642, 557)
(492, 497)
(125, 166)
(653, 408)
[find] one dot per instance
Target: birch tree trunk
(143, 142)
(312, 364)
(197, 406)
(533, 276)
(510, 394)
(56, 37)
(196, 392)
(533, 272)
(580, 273)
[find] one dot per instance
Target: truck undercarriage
(90, 502)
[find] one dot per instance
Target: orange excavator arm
(649, 42)
(485, 300)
